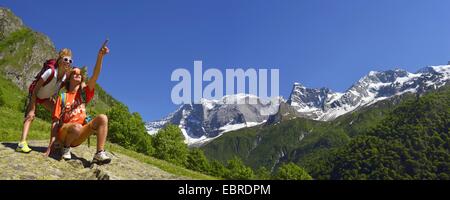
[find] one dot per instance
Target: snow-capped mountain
(203, 122)
(324, 104)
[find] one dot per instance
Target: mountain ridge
(325, 105)
(321, 104)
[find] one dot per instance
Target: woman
(47, 84)
(69, 125)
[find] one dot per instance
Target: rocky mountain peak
(9, 23)
(323, 104)
(22, 51)
(202, 122)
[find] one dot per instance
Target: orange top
(75, 111)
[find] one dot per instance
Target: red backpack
(49, 64)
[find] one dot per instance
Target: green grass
(11, 126)
(11, 115)
(24, 39)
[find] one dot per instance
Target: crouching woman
(70, 127)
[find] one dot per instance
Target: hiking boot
(101, 158)
(66, 153)
(23, 147)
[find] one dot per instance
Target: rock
(32, 166)
(27, 50)
(9, 23)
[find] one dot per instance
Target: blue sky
(317, 43)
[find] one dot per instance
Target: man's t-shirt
(52, 87)
(75, 110)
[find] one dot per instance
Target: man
(69, 126)
(46, 85)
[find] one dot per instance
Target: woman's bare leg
(26, 125)
(73, 133)
(48, 105)
(100, 124)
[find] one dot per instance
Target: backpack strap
(63, 99)
(50, 78)
(84, 100)
(50, 64)
(83, 95)
(63, 106)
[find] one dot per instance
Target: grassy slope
(25, 39)
(11, 116)
(164, 165)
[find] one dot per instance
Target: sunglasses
(68, 60)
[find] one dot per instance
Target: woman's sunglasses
(68, 60)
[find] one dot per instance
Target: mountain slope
(11, 114)
(22, 51)
(412, 142)
(298, 139)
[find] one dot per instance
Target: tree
(143, 139)
(237, 170)
(411, 142)
(196, 160)
(169, 145)
(128, 130)
(292, 171)
(218, 169)
(263, 174)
